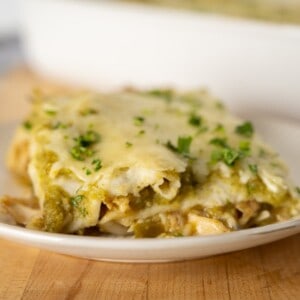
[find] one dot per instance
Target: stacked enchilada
(156, 163)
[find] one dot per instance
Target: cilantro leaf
(227, 155)
(230, 156)
(220, 128)
(51, 112)
(195, 120)
(97, 164)
(245, 148)
(138, 121)
(88, 139)
(171, 146)
(183, 145)
(88, 111)
(246, 129)
(165, 94)
(222, 142)
(253, 168)
(27, 125)
(75, 201)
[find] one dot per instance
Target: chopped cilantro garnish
(222, 142)
(216, 156)
(195, 120)
(50, 112)
(138, 121)
(60, 125)
(128, 144)
(75, 201)
(141, 132)
(83, 211)
(88, 139)
(83, 144)
(88, 111)
(97, 164)
(178, 234)
(183, 145)
(81, 153)
(230, 156)
(246, 129)
(220, 128)
(298, 190)
(165, 94)
(227, 155)
(27, 125)
(253, 168)
(171, 146)
(88, 172)
(244, 145)
(245, 148)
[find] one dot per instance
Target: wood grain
(267, 272)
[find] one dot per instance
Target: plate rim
(15, 232)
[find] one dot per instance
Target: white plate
(254, 67)
(282, 134)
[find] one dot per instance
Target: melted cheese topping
(154, 163)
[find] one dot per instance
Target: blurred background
(277, 11)
(245, 51)
(10, 48)
(268, 10)
(280, 11)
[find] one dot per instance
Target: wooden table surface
(268, 272)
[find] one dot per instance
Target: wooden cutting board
(267, 272)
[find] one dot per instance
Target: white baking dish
(104, 44)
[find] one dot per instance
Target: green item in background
(280, 11)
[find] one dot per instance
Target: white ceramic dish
(281, 134)
(104, 44)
